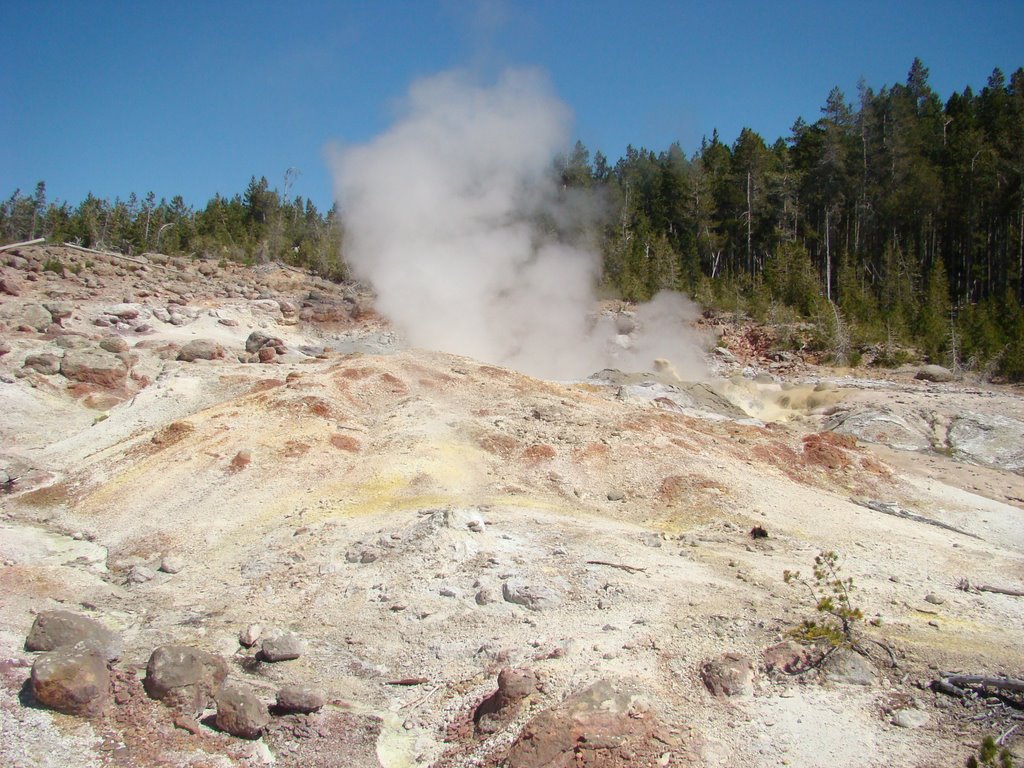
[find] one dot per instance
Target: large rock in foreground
(606, 724)
(201, 349)
(59, 629)
(241, 713)
(94, 366)
(183, 677)
(73, 680)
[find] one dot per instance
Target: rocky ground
(300, 543)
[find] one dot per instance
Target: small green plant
(53, 265)
(990, 756)
(830, 594)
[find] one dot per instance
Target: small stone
(283, 647)
(616, 496)
(847, 666)
(73, 680)
(249, 636)
(267, 355)
(140, 574)
(171, 564)
(485, 597)
(45, 363)
(731, 674)
(300, 698)
(114, 344)
(934, 599)
(240, 712)
(910, 718)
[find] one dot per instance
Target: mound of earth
(380, 534)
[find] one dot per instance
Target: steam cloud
(454, 217)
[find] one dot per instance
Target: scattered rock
(74, 680)
(284, 647)
(910, 718)
(10, 286)
(485, 597)
(52, 630)
(536, 597)
(788, 656)
(616, 495)
(249, 636)
(114, 344)
(171, 564)
(94, 366)
(934, 373)
(240, 712)
(848, 666)
(33, 316)
(242, 460)
(45, 363)
(183, 677)
(257, 340)
(267, 355)
(201, 349)
(300, 698)
(731, 674)
(140, 574)
(934, 599)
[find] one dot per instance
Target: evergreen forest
(893, 223)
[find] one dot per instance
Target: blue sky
(193, 98)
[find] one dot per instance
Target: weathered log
(890, 508)
(958, 682)
(9, 246)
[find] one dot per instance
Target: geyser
(452, 215)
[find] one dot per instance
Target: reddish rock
(603, 725)
(240, 712)
(93, 366)
(731, 674)
(267, 355)
(788, 656)
(73, 680)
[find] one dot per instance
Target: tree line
(894, 223)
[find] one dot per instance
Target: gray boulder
(74, 680)
(201, 349)
(934, 373)
(283, 647)
(34, 316)
(990, 439)
(300, 698)
(240, 712)
(849, 667)
(61, 629)
(45, 363)
(259, 339)
(183, 677)
(881, 427)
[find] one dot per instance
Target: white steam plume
(441, 216)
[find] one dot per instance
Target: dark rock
(257, 340)
(184, 677)
(61, 629)
(201, 349)
(240, 712)
(74, 680)
(284, 647)
(94, 367)
(731, 674)
(300, 698)
(45, 363)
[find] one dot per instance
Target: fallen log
(968, 586)
(955, 684)
(112, 255)
(891, 508)
(620, 566)
(9, 246)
